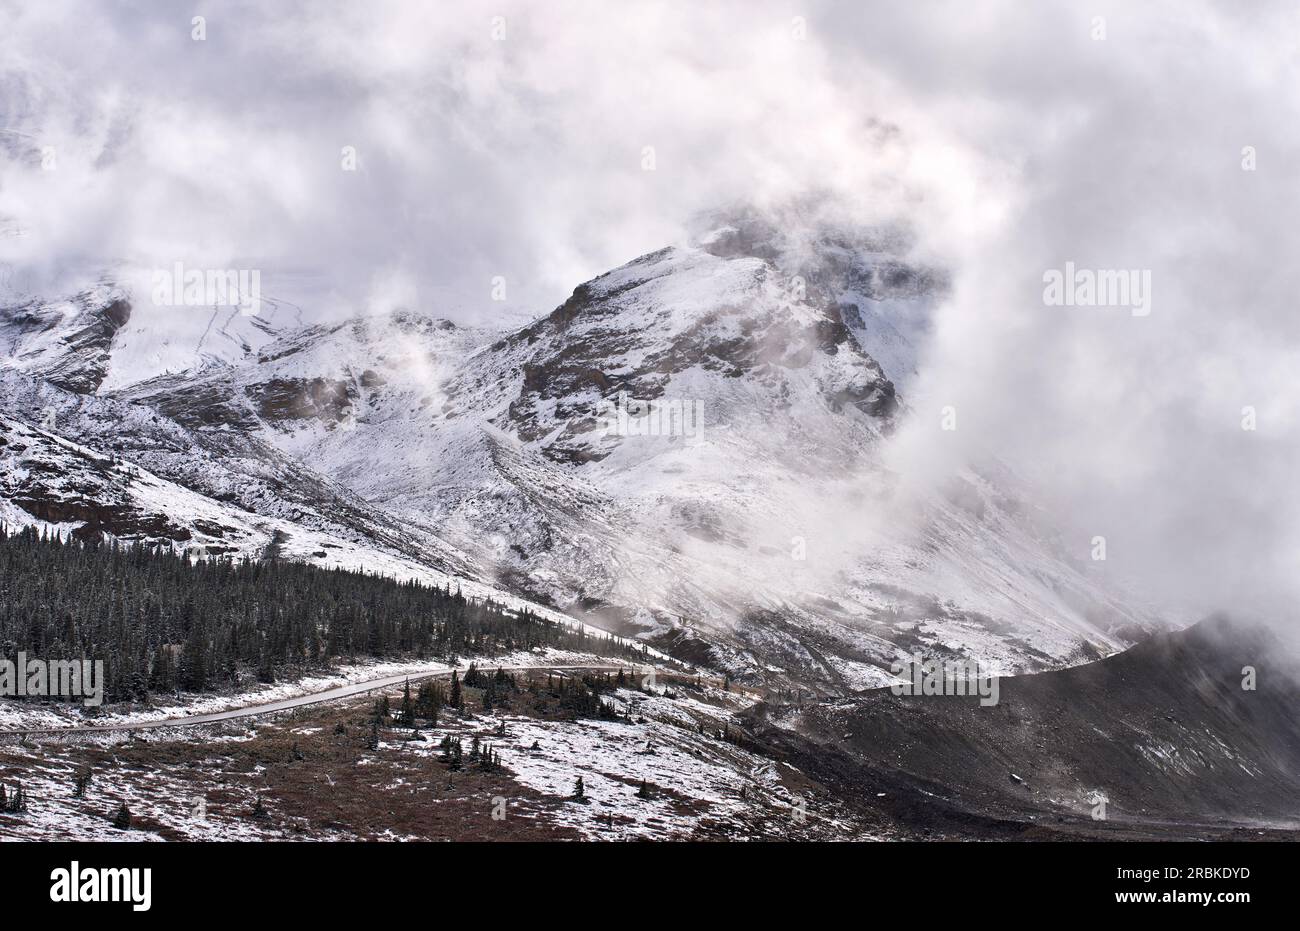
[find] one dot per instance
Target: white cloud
(1010, 138)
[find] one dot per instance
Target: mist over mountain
(546, 154)
(703, 376)
(758, 528)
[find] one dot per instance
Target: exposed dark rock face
(210, 404)
(97, 518)
(280, 400)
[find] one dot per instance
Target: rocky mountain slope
(101, 338)
(1126, 746)
(687, 450)
(67, 342)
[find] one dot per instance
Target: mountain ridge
(775, 543)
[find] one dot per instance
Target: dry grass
(316, 778)
(313, 781)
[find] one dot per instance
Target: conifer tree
(408, 709)
(161, 622)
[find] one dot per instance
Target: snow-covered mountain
(688, 449)
(83, 492)
(66, 342)
(158, 340)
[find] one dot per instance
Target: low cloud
(552, 144)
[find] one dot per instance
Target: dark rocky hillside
(1158, 731)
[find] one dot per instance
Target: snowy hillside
(101, 339)
(68, 341)
(752, 527)
(687, 450)
(161, 340)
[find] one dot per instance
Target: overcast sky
(1012, 136)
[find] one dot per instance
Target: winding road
(312, 698)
